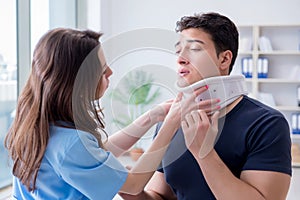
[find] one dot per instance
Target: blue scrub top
(74, 167)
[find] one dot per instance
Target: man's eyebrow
(198, 41)
(190, 41)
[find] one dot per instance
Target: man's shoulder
(265, 118)
(261, 107)
(251, 114)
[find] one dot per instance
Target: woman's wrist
(173, 121)
(147, 119)
(155, 115)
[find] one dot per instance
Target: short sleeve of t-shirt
(94, 172)
(264, 147)
(158, 126)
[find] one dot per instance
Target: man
(251, 158)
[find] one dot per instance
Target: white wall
(118, 17)
(62, 13)
(126, 15)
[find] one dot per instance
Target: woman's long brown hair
(61, 88)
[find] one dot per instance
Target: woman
(57, 141)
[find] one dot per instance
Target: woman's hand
(200, 132)
(181, 106)
(177, 108)
(159, 112)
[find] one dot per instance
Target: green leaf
(136, 88)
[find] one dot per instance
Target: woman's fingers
(200, 90)
(209, 105)
(179, 97)
(208, 102)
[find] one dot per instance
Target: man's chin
(181, 82)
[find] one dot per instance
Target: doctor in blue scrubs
(57, 141)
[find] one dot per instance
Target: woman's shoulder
(62, 135)
(66, 141)
(69, 135)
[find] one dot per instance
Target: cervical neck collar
(225, 88)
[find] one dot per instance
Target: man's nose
(109, 71)
(182, 60)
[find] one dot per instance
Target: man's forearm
(144, 195)
(222, 182)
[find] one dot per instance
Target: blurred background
(145, 31)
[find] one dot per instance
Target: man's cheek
(206, 68)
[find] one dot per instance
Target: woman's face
(107, 72)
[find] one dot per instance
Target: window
(8, 80)
(22, 23)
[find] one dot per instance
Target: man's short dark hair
(222, 30)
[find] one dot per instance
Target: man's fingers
(203, 115)
(189, 119)
(184, 125)
(214, 119)
(196, 116)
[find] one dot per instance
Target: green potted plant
(135, 92)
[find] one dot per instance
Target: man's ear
(225, 59)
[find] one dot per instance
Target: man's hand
(200, 132)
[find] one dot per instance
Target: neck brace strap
(225, 88)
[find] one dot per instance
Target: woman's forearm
(122, 140)
(148, 163)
